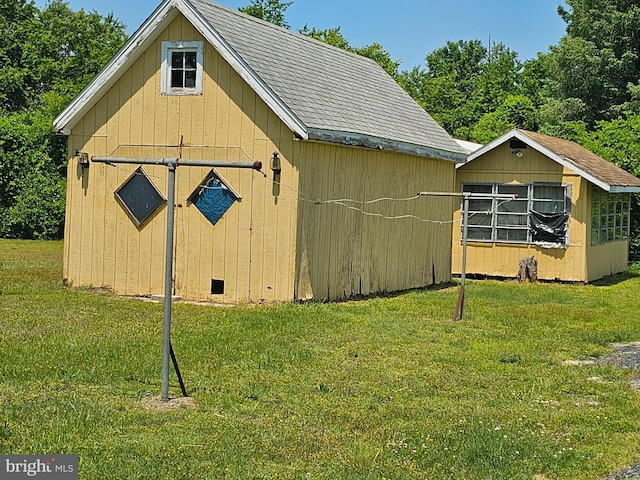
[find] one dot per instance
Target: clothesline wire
(343, 202)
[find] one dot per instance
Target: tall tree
(515, 111)
(270, 10)
(332, 36)
(46, 58)
(462, 82)
(55, 49)
(599, 56)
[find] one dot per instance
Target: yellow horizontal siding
(280, 241)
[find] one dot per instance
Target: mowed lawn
(369, 389)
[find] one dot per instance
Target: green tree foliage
(599, 57)
(32, 185)
(270, 10)
(515, 111)
(332, 36)
(53, 50)
(46, 57)
(462, 82)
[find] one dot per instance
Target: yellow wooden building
(571, 210)
(337, 215)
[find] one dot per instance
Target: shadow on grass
(617, 278)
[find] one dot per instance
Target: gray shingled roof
(337, 95)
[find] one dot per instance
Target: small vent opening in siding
(217, 287)
(517, 144)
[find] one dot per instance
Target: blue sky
(408, 29)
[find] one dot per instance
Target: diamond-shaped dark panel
(139, 197)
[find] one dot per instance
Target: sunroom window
(609, 216)
(539, 213)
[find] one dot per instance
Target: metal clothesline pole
(172, 164)
(458, 312)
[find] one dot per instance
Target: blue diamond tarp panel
(214, 200)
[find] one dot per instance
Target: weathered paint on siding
(250, 248)
(276, 243)
(502, 259)
(343, 252)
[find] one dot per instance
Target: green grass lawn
(379, 388)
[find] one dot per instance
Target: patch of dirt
(173, 403)
(578, 363)
(626, 355)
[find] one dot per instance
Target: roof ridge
(285, 30)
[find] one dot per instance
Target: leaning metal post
(168, 278)
(172, 164)
(459, 310)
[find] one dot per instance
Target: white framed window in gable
(181, 68)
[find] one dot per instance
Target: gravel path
(626, 355)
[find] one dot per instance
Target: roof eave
(623, 189)
(543, 150)
(108, 76)
(378, 143)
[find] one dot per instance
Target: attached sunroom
(569, 208)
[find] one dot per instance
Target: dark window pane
(139, 197)
(190, 60)
(555, 206)
(190, 79)
(618, 234)
(479, 219)
(479, 233)
(177, 79)
(520, 190)
(477, 188)
(551, 192)
(512, 235)
(480, 205)
(177, 59)
(513, 206)
(513, 220)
